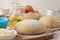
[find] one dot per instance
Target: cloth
(56, 35)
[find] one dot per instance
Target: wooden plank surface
(53, 29)
(44, 36)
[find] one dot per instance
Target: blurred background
(42, 5)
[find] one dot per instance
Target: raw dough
(30, 26)
(50, 21)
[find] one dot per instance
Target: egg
(30, 26)
(50, 21)
(28, 8)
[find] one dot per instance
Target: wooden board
(53, 29)
(44, 36)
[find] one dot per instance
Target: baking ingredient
(34, 15)
(50, 21)
(6, 32)
(15, 20)
(28, 8)
(31, 12)
(30, 26)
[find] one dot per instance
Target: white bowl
(8, 37)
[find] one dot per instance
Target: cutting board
(43, 36)
(53, 29)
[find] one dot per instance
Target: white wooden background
(37, 4)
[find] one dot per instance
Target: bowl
(7, 37)
(3, 22)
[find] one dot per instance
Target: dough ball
(50, 21)
(30, 26)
